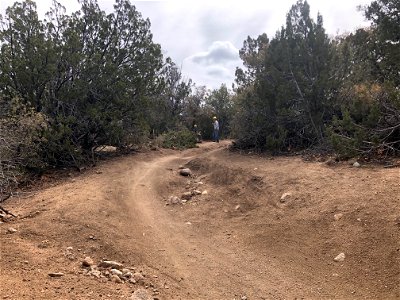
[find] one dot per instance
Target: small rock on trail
(174, 200)
(87, 262)
(116, 279)
(187, 195)
(110, 264)
(356, 164)
(340, 257)
(337, 217)
(138, 277)
(11, 230)
(141, 294)
(116, 272)
(285, 197)
(185, 172)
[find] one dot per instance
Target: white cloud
(218, 53)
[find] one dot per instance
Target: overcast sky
(204, 37)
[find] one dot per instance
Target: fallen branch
(7, 211)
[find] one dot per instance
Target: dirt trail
(237, 241)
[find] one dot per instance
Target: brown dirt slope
(237, 240)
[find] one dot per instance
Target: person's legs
(217, 136)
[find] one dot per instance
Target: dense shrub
(179, 139)
(21, 143)
(370, 122)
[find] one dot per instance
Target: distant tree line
(301, 89)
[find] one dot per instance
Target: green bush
(20, 143)
(369, 124)
(181, 139)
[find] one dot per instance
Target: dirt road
(236, 240)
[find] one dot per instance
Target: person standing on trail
(216, 130)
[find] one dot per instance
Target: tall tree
(286, 83)
(385, 15)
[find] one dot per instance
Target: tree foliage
(286, 83)
(72, 83)
(301, 89)
(91, 74)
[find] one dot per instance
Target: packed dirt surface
(248, 227)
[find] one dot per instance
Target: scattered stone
(187, 195)
(87, 261)
(95, 273)
(204, 193)
(243, 298)
(56, 274)
(69, 248)
(285, 197)
(11, 230)
(141, 294)
(337, 217)
(116, 272)
(115, 278)
(340, 257)
(110, 264)
(358, 219)
(185, 172)
(197, 192)
(237, 207)
(188, 223)
(174, 200)
(356, 164)
(138, 277)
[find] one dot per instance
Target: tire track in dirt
(207, 267)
